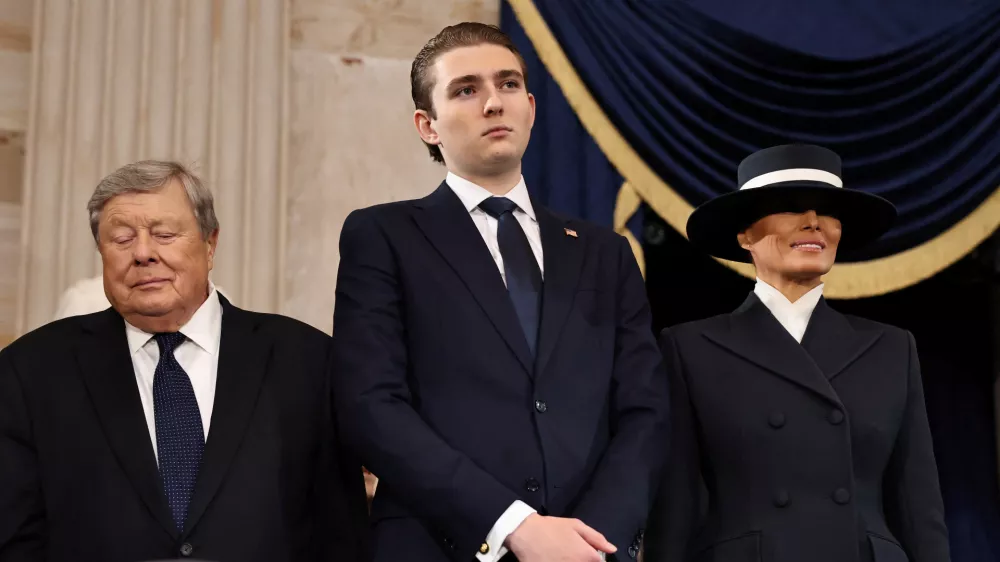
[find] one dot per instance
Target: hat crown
(777, 160)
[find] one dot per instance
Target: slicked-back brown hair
(466, 34)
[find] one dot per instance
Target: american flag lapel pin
(570, 232)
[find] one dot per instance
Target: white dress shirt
(794, 316)
(198, 356)
(471, 196)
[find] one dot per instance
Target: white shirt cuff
(507, 524)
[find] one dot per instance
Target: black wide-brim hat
(790, 178)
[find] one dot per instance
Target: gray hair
(149, 175)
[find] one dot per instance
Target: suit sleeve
(374, 402)
(677, 510)
(617, 500)
(914, 509)
(339, 496)
(22, 514)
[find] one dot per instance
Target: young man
(494, 363)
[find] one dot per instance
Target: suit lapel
(832, 342)
(755, 335)
(563, 256)
(448, 226)
(243, 360)
(105, 362)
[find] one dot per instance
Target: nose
(810, 220)
(142, 251)
(493, 104)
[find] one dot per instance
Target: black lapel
(756, 335)
(832, 342)
(104, 359)
(243, 360)
(563, 257)
(450, 229)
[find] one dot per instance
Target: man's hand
(555, 539)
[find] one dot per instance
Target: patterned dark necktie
(524, 279)
(180, 439)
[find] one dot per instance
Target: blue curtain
(907, 91)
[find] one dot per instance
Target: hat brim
(713, 226)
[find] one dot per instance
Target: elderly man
(172, 424)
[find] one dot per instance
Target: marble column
(115, 81)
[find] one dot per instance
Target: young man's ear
(425, 127)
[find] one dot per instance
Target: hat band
(793, 174)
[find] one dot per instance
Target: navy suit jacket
(79, 480)
(439, 394)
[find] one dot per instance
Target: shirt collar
(204, 328)
(472, 195)
(774, 299)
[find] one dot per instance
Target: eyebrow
(476, 78)
(118, 221)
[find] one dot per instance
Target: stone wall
(353, 142)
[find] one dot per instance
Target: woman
(800, 434)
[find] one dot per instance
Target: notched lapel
(106, 365)
(244, 353)
(833, 343)
(448, 226)
(755, 335)
(563, 255)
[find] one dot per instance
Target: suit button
(532, 485)
(187, 549)
(776, 420)
(841, 496)
(836, 417)
(781, 499)
(541, 406)
(633, 552)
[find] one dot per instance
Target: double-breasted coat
(788, 452)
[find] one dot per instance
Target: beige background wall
(352, 138)
(15, 79)
(296, 113)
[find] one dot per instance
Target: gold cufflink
(570, 232)
(484, 548)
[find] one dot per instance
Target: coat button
(841, 496)
(836, 417)
(532, 485)
(781, 499)
(187, 549)
(776, 420)
(541, 406)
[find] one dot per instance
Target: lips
(497, 129)
(150, 281)
(809, 245)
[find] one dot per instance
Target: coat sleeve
(677, 510)
(617, 499)
(339, 498)
(375, 405)
(22, 512)
(913, 505)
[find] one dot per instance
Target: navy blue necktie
(180, 439)
(524, 279)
